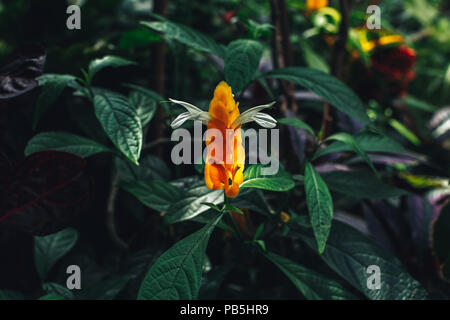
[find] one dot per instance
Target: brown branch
(158, 77)
(282, 51)
(337, 57)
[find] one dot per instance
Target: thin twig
(110, 214)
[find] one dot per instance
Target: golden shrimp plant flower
(316, 4)
(225, 158)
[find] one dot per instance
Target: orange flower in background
(316, 4)
(225, 157)
(227, 168)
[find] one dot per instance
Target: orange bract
(224, 169)
(316, 4)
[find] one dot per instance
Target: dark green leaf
(192, 205)
(312, 285)
(107, 61)
(297, 123)
(320, 205)
(10, 295)
(52, 87)
(360, 184)
(145, 106)
(349, 253)
(187, 36)
(177, 274)
(241, 62)
(368, 141)
(121, 123)
(254, 179)
(352, 143)
(49, 249)
(149, 168)
(52, 296)
(105, 289)
(312, 59)
(155, 194)
(56, 288)
(326, 86)
(63, 141)
(137, 38)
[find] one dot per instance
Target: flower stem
(236, 229)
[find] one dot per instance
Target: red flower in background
(227, 16)
(395, 66)
(395, 63)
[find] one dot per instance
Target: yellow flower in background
(382, 40)
(224, 164)
(316, 4)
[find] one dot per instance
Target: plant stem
(236, 229)
(110, 214)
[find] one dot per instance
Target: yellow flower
(227, 170)
(316, 4)
(224, 164)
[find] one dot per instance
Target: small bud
(285, 217)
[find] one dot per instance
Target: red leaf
(46, 192)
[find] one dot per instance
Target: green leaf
(52, 296)
(320, 205)
(360, 184)
(187, 36)
(107, 61)
(105, 289)
(312, 285)
(193, 204)
(49, 249)
(56, 288)
(231, 208)
(121, 123)
(158, 195)
(404, 131)
(137, 38)
(151, 95)
(10, 295)
(177, 274)
(352, 143)
(149, 168)
(328, 87)
(212, 206)
(297, 123)
(241, 62)
(254, 179)
(52, 87)
(349, 253)
(63, 141)
(368, 141)
(416, 103)
(312, 59)
(145, 106)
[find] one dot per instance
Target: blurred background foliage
(402, 72)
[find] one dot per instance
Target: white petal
(265, 120)
(182, 118)
(193, 113)
(250, 114)
(189, 107)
